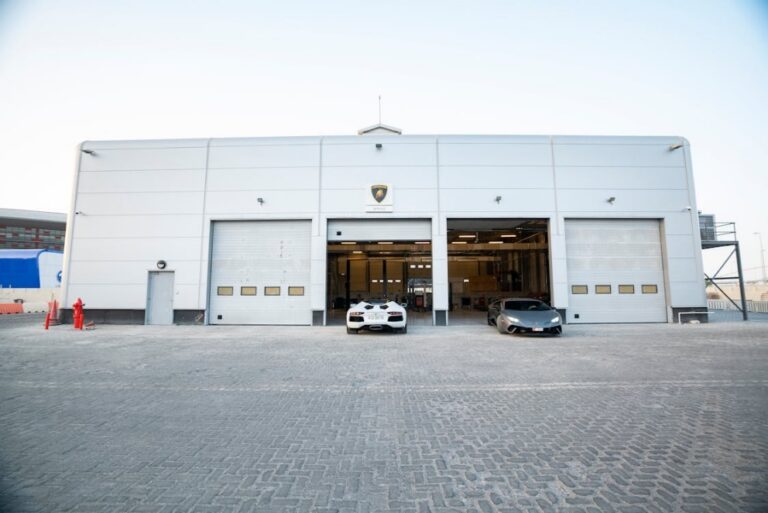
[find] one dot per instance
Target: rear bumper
(376, 325)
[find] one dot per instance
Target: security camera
(689, 208)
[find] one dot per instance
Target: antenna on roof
(379, 109)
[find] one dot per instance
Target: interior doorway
(490, 259)
(399, 271)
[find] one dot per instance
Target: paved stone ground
(629, 419)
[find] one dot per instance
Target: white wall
(142, 201)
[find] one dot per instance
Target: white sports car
(376, 315)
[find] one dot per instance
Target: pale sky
(90, 70)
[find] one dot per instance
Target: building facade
(31, 229)
(290, 230)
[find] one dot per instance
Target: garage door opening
(489, 259)
(391, 267)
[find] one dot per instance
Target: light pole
(762, 253)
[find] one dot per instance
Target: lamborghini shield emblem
(379, 192)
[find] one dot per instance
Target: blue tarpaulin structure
(30, 268)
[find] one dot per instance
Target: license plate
(538, 329)
(378, 317)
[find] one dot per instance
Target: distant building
(30, 268)
(30, 229)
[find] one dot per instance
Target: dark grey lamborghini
(524, 315)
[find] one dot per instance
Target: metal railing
(724, 304)
(719, 232)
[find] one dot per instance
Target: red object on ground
(77, 309)
(53, 313)
(11, 308)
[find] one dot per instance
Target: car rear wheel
(500, 327)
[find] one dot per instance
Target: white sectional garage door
(260, 272)
(615, 271)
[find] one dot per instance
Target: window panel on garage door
(608, 260)
(256, 262)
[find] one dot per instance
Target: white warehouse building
(291, 230)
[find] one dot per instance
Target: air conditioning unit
(707, 227)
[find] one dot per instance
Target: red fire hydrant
(77, 313)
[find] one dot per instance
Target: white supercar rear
(376, 315)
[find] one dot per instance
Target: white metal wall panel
(110, 272)
(154, 180)
(264, 155)
(416, 177)
(621, 177)
(390, 154)
(263, 178)
(614, 252)
(348, 202)
(627, 200)
(597, 154)
(473, 177)
(137, 203)
(482, 154)
(246, 202)
(144, 158)
(93, 226)
(260, 254)
(458, 201)
(117, 249)
(379, 229)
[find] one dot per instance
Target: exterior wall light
(611, 200)
(676, 146)
(379, 146)
(89, 152)
(497, 199)
(161, 264)
(260, 201)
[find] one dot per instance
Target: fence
(724, 304)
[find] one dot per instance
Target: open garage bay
(623, 418)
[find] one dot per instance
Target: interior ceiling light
(357, 252)
(467, 236)
(466, 280)
(496, 242)
(507, 235)
(349, 242)
(458, 242)
(385, 243)
(423, 242)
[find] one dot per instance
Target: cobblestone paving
(626, 419)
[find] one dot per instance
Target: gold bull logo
(379, 192)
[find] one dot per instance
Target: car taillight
(355, 313)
